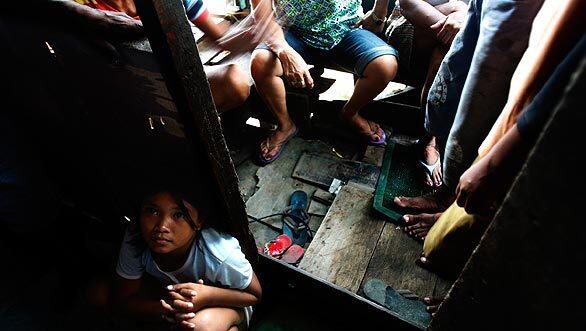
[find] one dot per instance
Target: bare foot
(431, 157)
(434, 202)
(417, 226)
(272, 145)
(433, 303)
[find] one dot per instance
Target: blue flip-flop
(295, 219)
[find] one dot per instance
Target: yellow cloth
(451, 240)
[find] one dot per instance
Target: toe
(399, 201)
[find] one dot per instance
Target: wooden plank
(374, 155)
(173, 45)
(324, 197)
(345, 241)
(442, 286)
(317, 208)
(393, 262)
(322, 169)
(274, 186)
(247, 178)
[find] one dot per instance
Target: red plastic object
(278, 246)
(293, 254)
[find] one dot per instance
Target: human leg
(442, 103)
(418, 226)
(376, 76)
(219, 319)
(434, 202)
(230, 86)
(375, 63)
(503, 37)
(266, 72)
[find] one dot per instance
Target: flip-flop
(278, 246)
(264, 161)
(293, 254)
(296, 217)
(382, 137)
(412, 310)
(430, 168)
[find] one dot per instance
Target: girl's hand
(189, 297)
(295, 68)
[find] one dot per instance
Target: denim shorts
(354, 52)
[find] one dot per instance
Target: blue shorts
(353, 53)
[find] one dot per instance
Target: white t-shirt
(215, 258)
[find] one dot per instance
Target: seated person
(229, 85)
(209, 282)
(422, 32)
(317, 31)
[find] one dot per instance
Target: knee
(382, 69)
(238, 83)
(205, 320)
(261, 64)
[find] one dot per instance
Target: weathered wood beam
(175, 48)
(526, 271)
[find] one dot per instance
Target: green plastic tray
(400, 176)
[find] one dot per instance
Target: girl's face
(164, 226)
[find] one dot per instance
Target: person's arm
(420, 13)
(132, 298)
(99, 23)
(295, 68)
(211, 29)
(379, 11)
(189, 298)
(558, 34)
(443, 20)
(192, 297)
(486, 182)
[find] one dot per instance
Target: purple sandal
(382, 137)
(264, 161)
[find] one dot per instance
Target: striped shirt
(195, 9)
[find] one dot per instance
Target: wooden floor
(352, 244)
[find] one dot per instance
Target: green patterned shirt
(319, 23)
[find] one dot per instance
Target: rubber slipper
(382, 137)
(263, 160)
(293, 254)
(278, 246)
(296, 218)
(412, 310)
(429, 169)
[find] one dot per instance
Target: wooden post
(174, 47)
(526, 272)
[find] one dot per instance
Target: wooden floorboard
(393, 262)
(344, 243)
(322, 169)
(442, 286)
(274, 186)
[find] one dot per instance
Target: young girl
(209, 282)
